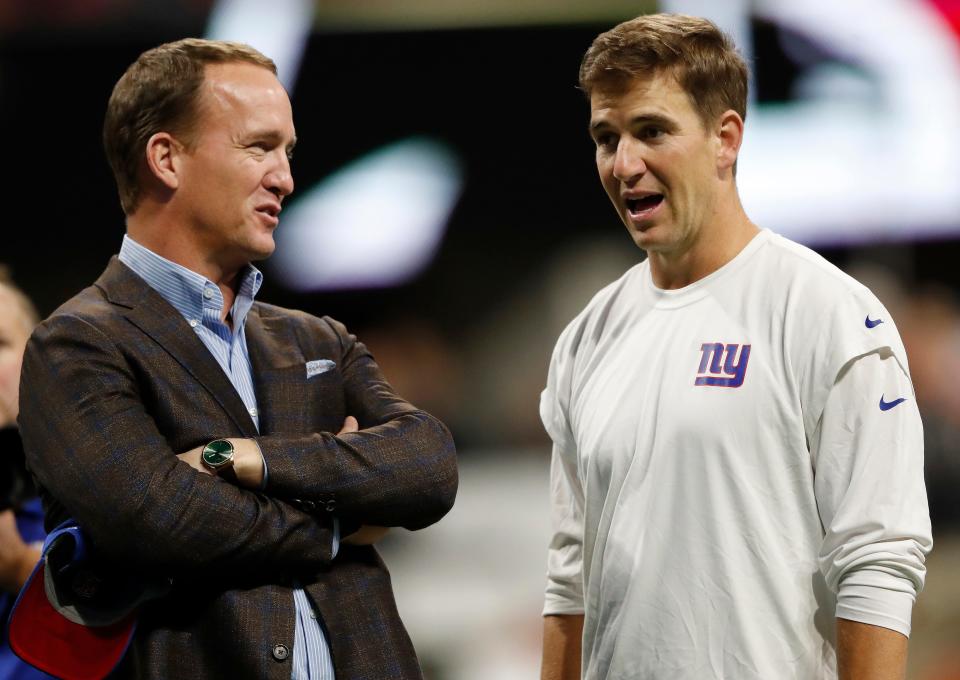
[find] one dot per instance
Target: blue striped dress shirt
(200, 302)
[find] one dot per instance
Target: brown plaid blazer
(115, 383)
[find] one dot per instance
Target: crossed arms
(100, 455)
(249, 468)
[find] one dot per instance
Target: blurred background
(448, 211)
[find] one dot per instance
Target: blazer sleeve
(399, 470)
(94, 448)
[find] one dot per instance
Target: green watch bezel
(217, 455)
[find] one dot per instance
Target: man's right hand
(350, 424)
(365, 535)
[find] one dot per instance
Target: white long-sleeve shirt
(736, 463)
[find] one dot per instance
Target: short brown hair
(160, 92)
(702, 58)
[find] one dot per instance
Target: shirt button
(253, 412)
(193, 323)
(207, 293)
(280, 652)
(313, 614)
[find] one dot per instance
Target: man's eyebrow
(272, 136)
(654, 118)
(596, 126)
(641, 119)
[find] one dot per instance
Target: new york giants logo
(722, 365)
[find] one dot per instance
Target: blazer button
(330, 505)
(280, 652)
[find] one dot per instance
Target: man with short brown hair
(246, 454)
(737, 478)
(161, 91)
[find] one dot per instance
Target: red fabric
(950, 10)
(43, 638)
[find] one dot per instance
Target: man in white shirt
(737, 487)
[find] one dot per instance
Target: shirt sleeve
(564, 591)
(868, 455)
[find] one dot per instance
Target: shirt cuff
(876, 605)
(555, 603)
(336, 537)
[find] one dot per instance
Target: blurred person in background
(249, 454)
(737, 475)
(933, 330)
(21, 517)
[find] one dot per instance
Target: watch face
(217, 453)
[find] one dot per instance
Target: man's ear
(729, 131)
(163, 159)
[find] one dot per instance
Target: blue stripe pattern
(200, 302)
(309, 636)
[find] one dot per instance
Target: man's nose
(280, 180)
(628, 165)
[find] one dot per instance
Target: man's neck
(170, 244)
(718, 241)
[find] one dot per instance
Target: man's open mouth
(640, 205)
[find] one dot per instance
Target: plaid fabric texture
(115, 383)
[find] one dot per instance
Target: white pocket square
(318, 366)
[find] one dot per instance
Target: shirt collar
(187, 291)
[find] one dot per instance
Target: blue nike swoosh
(870, 323)
(887, 405)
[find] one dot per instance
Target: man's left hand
(247, 462)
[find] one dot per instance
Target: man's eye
(606, 141)
(652, 132)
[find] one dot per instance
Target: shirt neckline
(186, 290)
(680, 297)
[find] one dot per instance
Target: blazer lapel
(166, 326)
